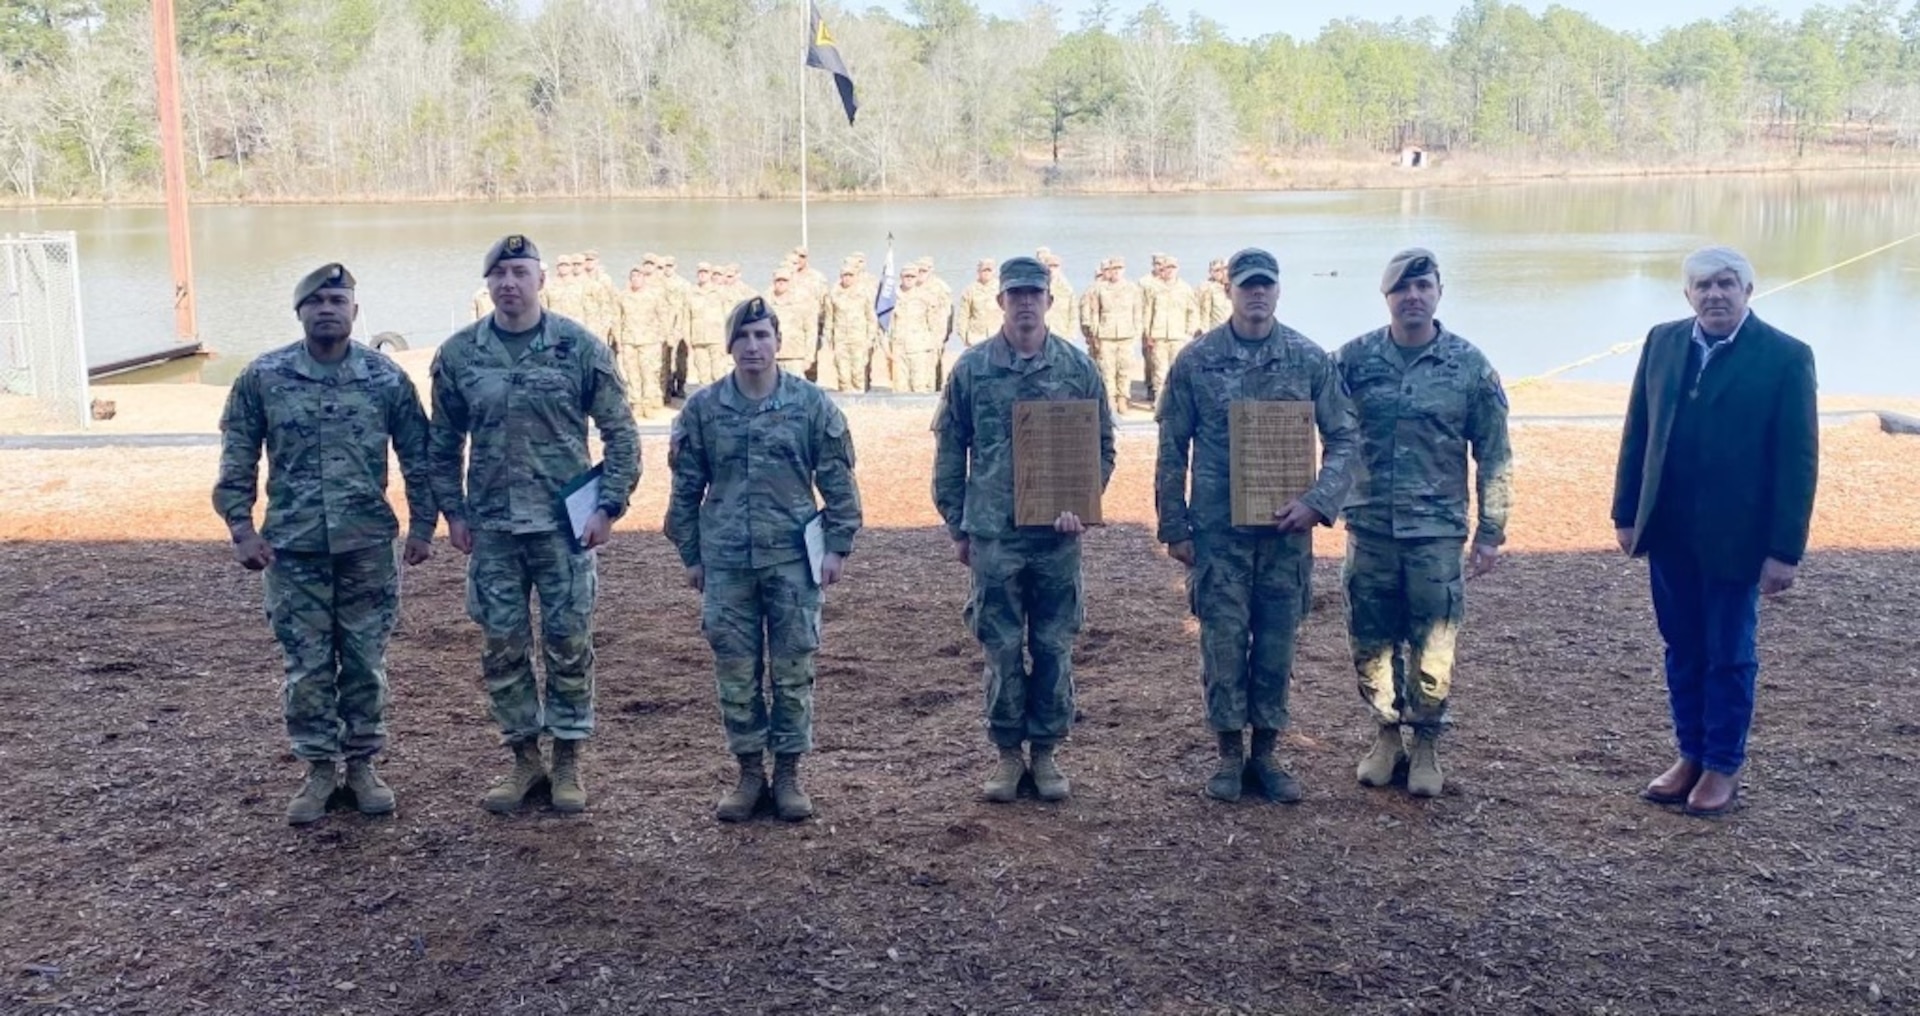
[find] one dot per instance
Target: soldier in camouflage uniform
(600, 302)
(482, 304)
(1215, 307)
(566, 296)
(1090, 310)
(676, 352)
(523, 384)
(649, 321)
(852, 329)
(979, 315)
(1249, 587)
(747, 455)
(807, 277)
(795, 306)
(1026, 582)
(1064, 316)
(918, 331)
(1426, 399)
(326, 409)
(1116, 330)
(1172, 320)
(706, 321)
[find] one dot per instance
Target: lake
(1536, 274)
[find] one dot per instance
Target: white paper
(816, 537)
(581, 504)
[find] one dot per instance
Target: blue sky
(1248, 19)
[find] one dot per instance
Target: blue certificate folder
(579, 499)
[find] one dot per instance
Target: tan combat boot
(1048, 781)
(569, 795)
(1224, 784)
(528, 773)
(1276, 784)
(1377, 767)
(310, 804)
(1424, 778)
(370, 793)
(1004, 785)
(738, 805)
(789, 801)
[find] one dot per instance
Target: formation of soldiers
(667, 333)
(764, 507)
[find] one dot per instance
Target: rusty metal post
(173, 162)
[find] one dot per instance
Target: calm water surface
(1537, 275)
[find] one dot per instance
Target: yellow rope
(1626, 347)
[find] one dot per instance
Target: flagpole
(806, 31)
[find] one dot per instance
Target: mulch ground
(145, 866)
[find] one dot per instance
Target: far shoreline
(1303, 176)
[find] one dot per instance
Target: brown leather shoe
(1673, 786)
(1715, 794)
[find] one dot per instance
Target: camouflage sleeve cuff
(841, 545)
(1489, 537)
(689, 552)
(956, 533)
(421, 531)
(1170, 535)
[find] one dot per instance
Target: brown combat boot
(1276, 784)
(1224, 784)
(1048, 781)
(310, 804)
(569, 795)
(1376, 768)
(789, 801)
(1424, 778)
(739, 804)
(370, 793)
(1004, 785)
(528, 773)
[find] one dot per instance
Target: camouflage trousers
(333, 614)
(707, 364)
(643, 363)
(850, 362)
(763, 621)
(502, 576)
(1251, 594)
(1116, 360)
(826, 372)
(917, 371)
(1160, 354)
(797, 366)
(1405, 602)
(1026, 601)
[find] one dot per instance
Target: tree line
(450, 98)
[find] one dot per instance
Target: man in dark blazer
(1715, 486)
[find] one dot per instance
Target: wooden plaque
(1274, 453)
(1056, 461)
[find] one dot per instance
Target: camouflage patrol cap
(746, 312)
(1024, 273)
(591, 255)
(986, 263)
(1169, 261)
(783, 272)
(1216, 264)
(1041, 254)
(1252, 263)
(650, 258)
(332, 276)
(703, 266)
(511, 247)
(668, 261)
(1411, 263)
(800, 251)
(1158, 258)
(849, 267)
(1117, 262)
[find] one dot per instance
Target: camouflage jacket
(980, 314)
(1207, 377)
(528, 418)
(851, 322)
(707, 311)
(744, 476)
(326, 432)
(649, 314)
(1215, 307)
(1173, 312)
(915, 328)
(1119, 308)
(1063, 318)
(1417, 425)
(973, 428)
(799, 314)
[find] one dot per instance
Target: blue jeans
(1709, 627)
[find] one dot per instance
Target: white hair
(1708, 262)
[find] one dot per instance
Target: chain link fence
(43, 360)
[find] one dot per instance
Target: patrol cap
(509, 248)
(1411, 263)
(1169, 261)
(1158, 258)
(923, 262)
(984, 263)
(782, 272)
(1216, 264)
(1042, 253)
(650, 258)
(800, 251)
(333, 276)
(668, 261)
(746, 312)
(1252, 263)
(591, 255)
(1024, 273)
(1116, 262)
(703, 267)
